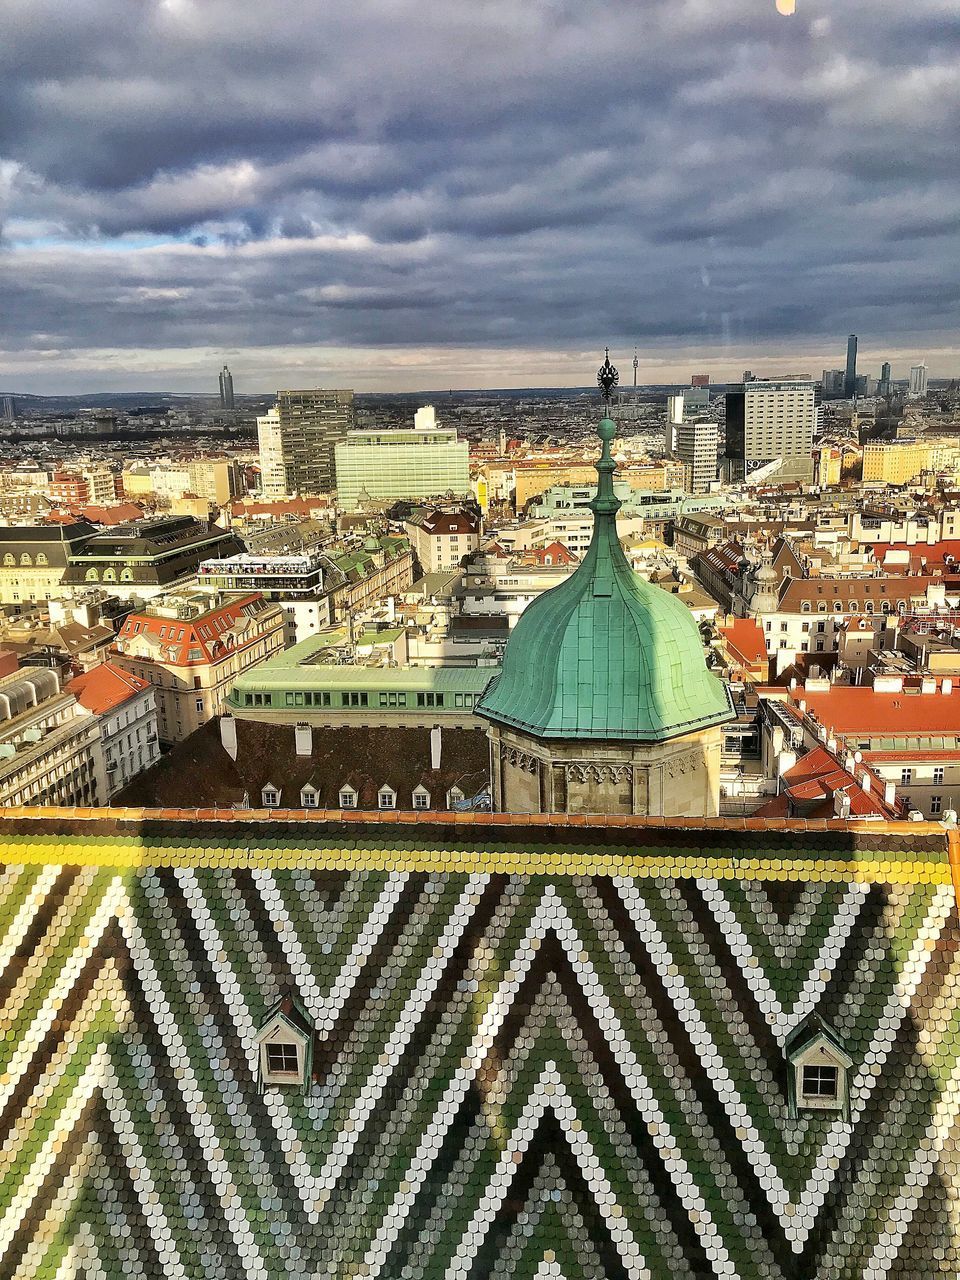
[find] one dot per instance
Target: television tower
(635, 364)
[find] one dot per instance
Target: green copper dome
(606, 655)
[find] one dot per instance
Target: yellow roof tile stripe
(121, 854)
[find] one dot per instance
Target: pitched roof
(745, 640)
(205, 637)
(504, 1008)
(267, 754)
(105, 688)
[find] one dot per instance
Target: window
(421, 799)
(355, 699)
(199, 704)
(805, 606)
(271, 797)
(821, 628)
(938, 774)
(308, 798)
(820, 1082)
(348, 799)
(906, 777)
(282, 1059)
(936, 804)
(387, 799)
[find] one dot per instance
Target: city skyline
(674, 183)
(436, 370)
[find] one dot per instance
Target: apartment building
(770, 419)
(441, 539)
(126, 707)
(34, 558)
(192, 648)
(51, 750)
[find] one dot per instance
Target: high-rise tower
(298, 438)
(226, 388)
(850, 377)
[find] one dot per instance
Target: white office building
(380, 467)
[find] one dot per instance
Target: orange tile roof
(861, 710)
(105, 687)
(745, 640)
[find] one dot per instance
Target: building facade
(34, 559)
(769, 419)
(126, 707)
(51, 751)
(696, 447)
(191, 649)
(298, 439)
(441, 539)
(382, 466)
(226, 389)
(146, 557)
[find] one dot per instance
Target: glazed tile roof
(540, 1048)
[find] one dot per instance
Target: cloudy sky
(430, 193)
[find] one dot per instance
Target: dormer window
(285, 1046)
(819, 1068)
(421, 798)
(454, 796)
(309, 797)
(348, 798)
(270, 796)
(386, 798)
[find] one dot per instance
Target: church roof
(605, 655)
(543, 1047)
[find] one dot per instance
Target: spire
(605, 553)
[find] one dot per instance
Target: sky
(405, 194)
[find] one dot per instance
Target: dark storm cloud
(226, 173)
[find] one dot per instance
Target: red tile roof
(105, 687)
(818, 776)
(207, 637)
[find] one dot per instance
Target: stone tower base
(679, 778)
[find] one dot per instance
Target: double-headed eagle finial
(607, 377)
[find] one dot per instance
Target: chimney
(928, 685)
(832, 746)
(865, 783)
(849, 762)
(890, 794)
(228, 736)
(304, 739)
(435, 745)
(841, 804)
(946, 685)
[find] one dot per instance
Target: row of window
(852, 606)
(323, 698)
(906, 776)
(348, 797)
(25, 559)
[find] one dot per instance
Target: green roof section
(605, 655)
